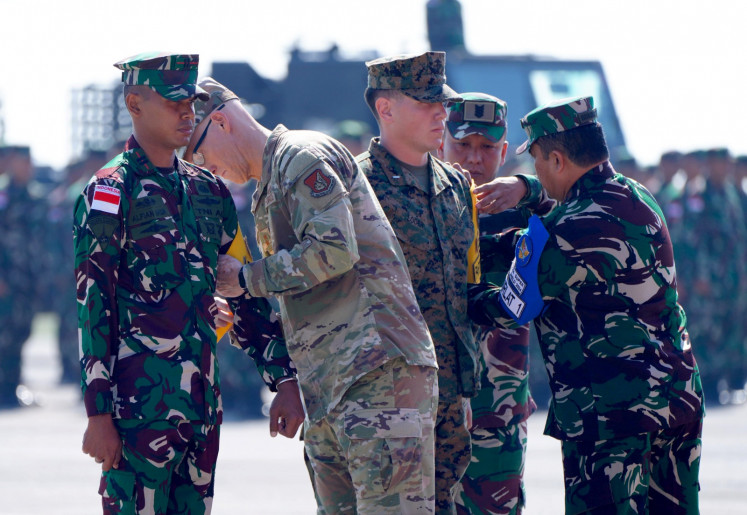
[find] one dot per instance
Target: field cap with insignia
(422, 77)
(218, 95)
(174, 77)
(557, 116)
(478, 114)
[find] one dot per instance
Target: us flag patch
(318, 183)
(106, 199)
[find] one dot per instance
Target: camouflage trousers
(373, 454)
(453, 452)
(640, 474)
(494, 481)
(166, 467)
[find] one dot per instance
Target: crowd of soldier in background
(703, 195)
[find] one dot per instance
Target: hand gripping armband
(520, 293)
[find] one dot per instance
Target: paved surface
(43, 472)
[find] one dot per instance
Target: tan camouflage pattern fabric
(373, 454)
(335, 266)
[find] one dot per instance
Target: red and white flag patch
(106, 198)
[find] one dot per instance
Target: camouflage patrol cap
(478, 114)
(174, 77)
(422, 77)
(217, 95)
(557, 116)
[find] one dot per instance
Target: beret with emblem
(478, 114)
(173, 76)
(557, 116)
(422, 77)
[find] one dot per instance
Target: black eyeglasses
(197, 157)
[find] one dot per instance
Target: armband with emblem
(520, 293)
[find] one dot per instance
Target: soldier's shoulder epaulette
(297, 162)
(114, 169)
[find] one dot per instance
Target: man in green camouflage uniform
(493, 482)
(429, 206)
(597, 275)
(720, 277)
(148, 230)
(366, 363)
(22, 222)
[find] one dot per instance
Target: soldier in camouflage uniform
(366, 363)
(493, 482)
(22, 220)
(148, 231)
(720, 278)
(597, 275)
(429, 206)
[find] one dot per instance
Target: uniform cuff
(252, 279)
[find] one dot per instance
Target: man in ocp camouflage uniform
(148, 231)
(365, 360)
(429, 206)
(597, 275)
(493, 482)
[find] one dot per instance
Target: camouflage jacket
(611, 331)
(436, 255)
(333, 262)
(504, 398)
(146, 251)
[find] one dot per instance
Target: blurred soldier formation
(702, 194)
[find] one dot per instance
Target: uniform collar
(143, 166)
(399, 176)
(591, 180)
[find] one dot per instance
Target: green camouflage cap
(557, 116)
(174, 77)
(217, 95)
(422, 77)
(478, 114)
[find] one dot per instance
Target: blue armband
(520, 293)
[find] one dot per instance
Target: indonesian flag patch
(106, 199)
(318, 183)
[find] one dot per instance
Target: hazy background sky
(676, 69)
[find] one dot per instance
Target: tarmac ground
(44, 472)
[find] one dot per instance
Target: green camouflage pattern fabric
(152, 477)
(146, 250)
(373, 453)
(174, 77)
(557, 116)
(435, 231)
(493, 483)
(612, 333)
(422, 77)
(716, 304)
(478, 113)
(642, 473)
(334, 264)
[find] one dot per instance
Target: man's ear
(383, 107)
(134, 102)
(558, 161)
(504, 151)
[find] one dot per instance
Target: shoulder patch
(102, 227)
(319, 183)
(106, 199)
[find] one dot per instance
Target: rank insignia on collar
(319, 184)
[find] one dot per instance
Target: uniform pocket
(117, 488)
(386, 451)
(154, 259)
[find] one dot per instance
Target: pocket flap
(384, 423)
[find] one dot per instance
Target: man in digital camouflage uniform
(365, 360)
(430, 208)
(148, 230)
(597, 275)
(493, 482)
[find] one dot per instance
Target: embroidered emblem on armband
(520, 293)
